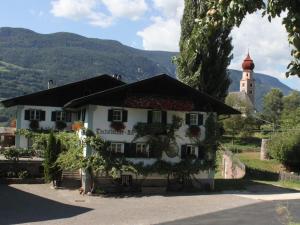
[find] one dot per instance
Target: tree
(203, 59)
(292, 101)
(273, 106)
(231, 13)
(240, 124)
(52, 172)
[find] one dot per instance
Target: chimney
(50, 84)
(117, 76)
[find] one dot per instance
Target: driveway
(39, 204)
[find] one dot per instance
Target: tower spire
(247, 83)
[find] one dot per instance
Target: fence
(289, 177)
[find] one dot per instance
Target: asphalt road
(39, 204)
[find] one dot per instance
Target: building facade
(117, 109)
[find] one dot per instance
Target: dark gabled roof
(161, 85)
(59, 96)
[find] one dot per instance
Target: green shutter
(42, 115)
(27, 115)
(183, 151)
(124, 116)
(187, 119)
(201, 152)
(200, 119)
(53, 116)
(110, 115)
(149, 116)
(164, 117)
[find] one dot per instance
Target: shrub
(285, 147)
(23, 174)
(60, 125)
(34, 124)
(12, 154)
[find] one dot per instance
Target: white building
(112, 109)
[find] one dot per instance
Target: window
(60, 116)
(156, 116)
(126, 180)
(243, 85)
(116, 148)
(34, 114)
(193, 119)
(251, 85)
(191, 150)
(141, 149)
(117, 115)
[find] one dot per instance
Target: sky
(149, 25)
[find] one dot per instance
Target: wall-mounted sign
(124, 132)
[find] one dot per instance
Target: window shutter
(53, 116)
(201, 153)
(42, 115)
(127, 149)
(110, 115)
(27, 115)
(187, 119)
(125, 116)
(83, 112)
(200, 119)
(68, 116)
(78, 115)
(164, 117)
(149, 116)
(183, 151)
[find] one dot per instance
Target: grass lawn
(252, 160)
(239, 144)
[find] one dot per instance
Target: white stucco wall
(99, 124)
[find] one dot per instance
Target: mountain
(29, 59)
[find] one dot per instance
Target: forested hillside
(28, 60)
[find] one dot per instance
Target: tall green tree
(52, 172)
(204, 55)
(292, 101)
(273, 106)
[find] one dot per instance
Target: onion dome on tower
(248, 63)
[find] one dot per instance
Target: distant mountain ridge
(29, 59)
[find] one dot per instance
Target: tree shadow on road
(17, 207)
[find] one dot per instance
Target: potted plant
(117, 126)
(34, 124)
(77, 125)
(193, 131)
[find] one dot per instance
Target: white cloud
(132, 9)
(92, 10)
(164, 32)
(267, 43)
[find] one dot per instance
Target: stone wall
(232, 167)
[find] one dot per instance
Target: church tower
(247, 83)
